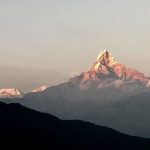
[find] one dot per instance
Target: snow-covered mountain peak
(106, 67)
(40, 89)
(104, 58)
(10, 92)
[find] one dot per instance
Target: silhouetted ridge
(27, 128)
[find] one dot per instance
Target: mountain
(40, 89)
(10, 93)
(106, 67)
(22, 127)
(15, 93)
(108, 94)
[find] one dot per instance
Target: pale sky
(44, 41)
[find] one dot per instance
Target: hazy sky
(44, 41)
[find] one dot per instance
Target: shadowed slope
(27, 128)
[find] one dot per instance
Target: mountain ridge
(21, 126)
(106, 67)
(107, 100)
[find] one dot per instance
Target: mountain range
(15, 93)
(108, 94)
(26, 128)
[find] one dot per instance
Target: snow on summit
(106, 67)
(10, 92)
(40, 89)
